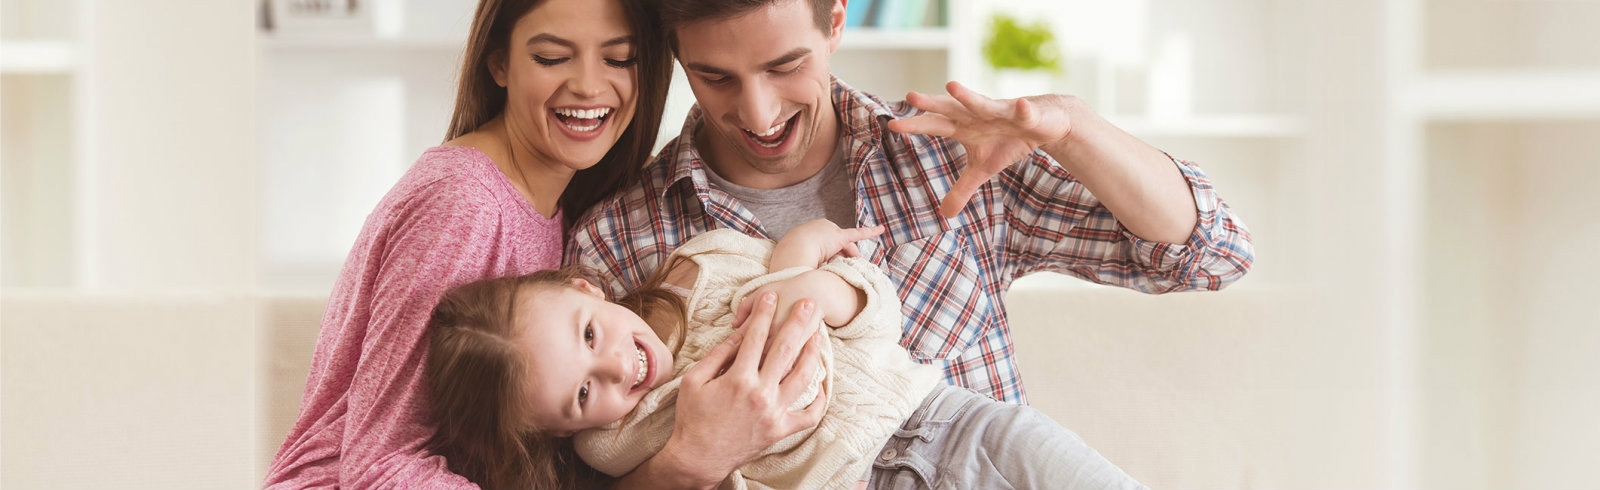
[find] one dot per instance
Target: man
(1045, 184)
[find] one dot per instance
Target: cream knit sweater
(873, 385)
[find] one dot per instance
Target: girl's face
(570, 80)
(590, 361)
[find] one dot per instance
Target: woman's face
(590, 361)
(570, 80)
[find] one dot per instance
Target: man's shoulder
(642, 201)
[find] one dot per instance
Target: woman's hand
(818, 240)
(734, 403)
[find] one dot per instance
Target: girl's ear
(587, 287)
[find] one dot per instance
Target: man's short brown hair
(676, 13)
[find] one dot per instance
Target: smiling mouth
(774, 136)
(642, 362)
(582, 120)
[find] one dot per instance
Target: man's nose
(758, 108)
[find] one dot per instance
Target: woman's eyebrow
(546, 37)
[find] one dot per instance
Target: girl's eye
(588, 335)
(623, 63)
(583, 395)
(549, 61)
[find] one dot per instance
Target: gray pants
(959, 439)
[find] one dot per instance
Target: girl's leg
(960, 439)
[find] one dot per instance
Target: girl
(529, 373)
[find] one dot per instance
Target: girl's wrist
(838, 300)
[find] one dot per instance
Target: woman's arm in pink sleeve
(441, 243)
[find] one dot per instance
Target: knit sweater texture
(872, 383)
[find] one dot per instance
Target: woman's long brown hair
(474, 374)
(479, 99)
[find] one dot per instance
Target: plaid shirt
(952, 274)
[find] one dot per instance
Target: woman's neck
(530, 171)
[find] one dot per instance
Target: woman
(558, 106)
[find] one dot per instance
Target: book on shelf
(897, 14)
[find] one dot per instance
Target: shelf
(933, 38)
(324, 43)
(1509, 94)
(1224, 126)
(854, 39)
(38, 57)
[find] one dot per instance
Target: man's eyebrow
(796, 54)
(787, 58)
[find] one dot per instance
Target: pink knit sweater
(452, 219)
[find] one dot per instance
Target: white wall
(171, 154)
(193, 153)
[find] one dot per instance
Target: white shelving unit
(1493, 145)
(37, 57)
(40, 77)
(1539, 94)
(931, 38)
(282, 44)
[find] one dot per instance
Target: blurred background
(182, 179)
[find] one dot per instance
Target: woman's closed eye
(550, 61)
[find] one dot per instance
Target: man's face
(762, 82)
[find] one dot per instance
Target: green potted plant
(1023, 57)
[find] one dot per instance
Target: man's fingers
(789, 340)
(965, 187)
(754, 334)
(812, 414)
(713, 363)
(937, 104)
(804, 371)
(975, 102)
(850, 250)
(742, 312)
(928, 123)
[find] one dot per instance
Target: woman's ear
(587, 287)
(497, 67)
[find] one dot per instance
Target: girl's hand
(818, 240)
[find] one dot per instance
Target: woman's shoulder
(455, 171)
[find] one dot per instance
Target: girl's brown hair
(474, 374)
(479, 99)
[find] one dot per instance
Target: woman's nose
(588, 82)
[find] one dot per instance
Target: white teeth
(642, 364)
(583, 129)
(584, 113)
(771, 131)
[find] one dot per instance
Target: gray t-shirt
(829, 194)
